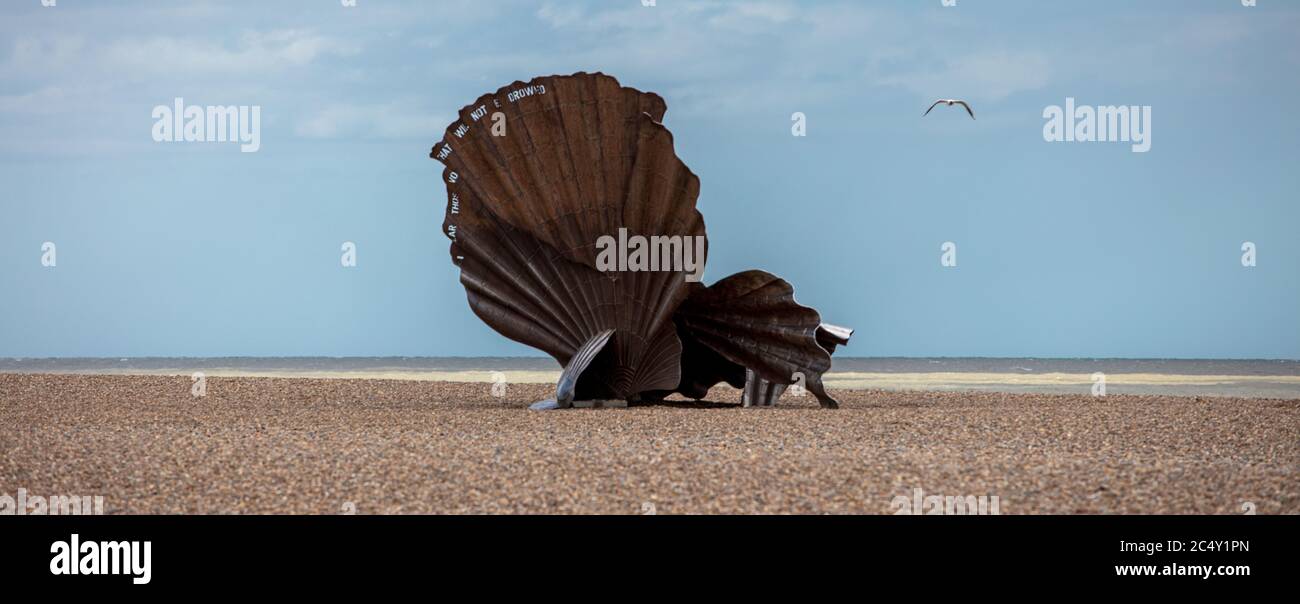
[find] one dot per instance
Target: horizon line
(890, 357)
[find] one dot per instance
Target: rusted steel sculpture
(543, 178)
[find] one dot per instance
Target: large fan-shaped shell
(536, 174)
(753, 324)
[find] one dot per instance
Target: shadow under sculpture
(537, 174)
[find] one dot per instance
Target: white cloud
(755, 57)
(254, 51)
(708, 51)
(559, 15)
(989, 76)
(397, 120)
(45, 54)
(754, 17)
(50, 99)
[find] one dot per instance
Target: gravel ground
(321, 446)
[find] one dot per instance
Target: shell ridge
(536, 306)
(529, 252)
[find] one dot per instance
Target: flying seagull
(950, 103)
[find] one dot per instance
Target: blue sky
(1064, 249)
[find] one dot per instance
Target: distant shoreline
(1281, 367)
(1232, 378)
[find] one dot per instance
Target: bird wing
(927, 111)
(963, 104)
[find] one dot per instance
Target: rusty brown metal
(536, 174)
(751, 320)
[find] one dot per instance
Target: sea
(1182, 377)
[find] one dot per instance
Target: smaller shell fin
(577, 364)
(759, 392)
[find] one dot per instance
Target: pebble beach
(256, 445)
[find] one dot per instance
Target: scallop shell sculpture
(536, 174)
(761, 340)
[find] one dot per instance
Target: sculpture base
(549, 404)
(601, 404)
